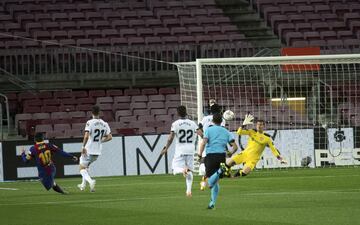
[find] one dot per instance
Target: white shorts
(86, 160)
(181, 162)
(202, 170)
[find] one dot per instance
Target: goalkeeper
(251, 154)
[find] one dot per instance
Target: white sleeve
(223, 123)
(173, 127)
(108, 130)
(88, 126)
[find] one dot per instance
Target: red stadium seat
(114, 92)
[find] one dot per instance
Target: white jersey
(97, 129)
(206, 122)
(185, 134)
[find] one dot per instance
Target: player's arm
(106, 138)
(200, 130)
(85, 140)
(168, 143)
(247, 121)
(24, 156)
(108, 135)
(244, 131)
(276, 152)
(203, 143)
(56, 149)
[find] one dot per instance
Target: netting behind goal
(311, 105)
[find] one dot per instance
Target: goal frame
(273, 60)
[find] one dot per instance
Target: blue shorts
(47, 176)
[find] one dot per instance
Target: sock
(58, 189)
(214, 178)
(83, 183)
(214, 193)
(84, 173)
(189, 181)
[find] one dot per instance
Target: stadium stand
(127, 108)
(303, 23)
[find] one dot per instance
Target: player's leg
(179, 166)
(47, 179)
(189, 161)
(214, 193)
(248, 167)
(84, 164)
(58, 189)
(202, 173)
(212, 164)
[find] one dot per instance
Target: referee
(214, 143)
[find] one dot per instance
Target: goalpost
(310, 104)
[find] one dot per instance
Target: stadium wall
(140, 155)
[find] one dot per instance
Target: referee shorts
(212, 162)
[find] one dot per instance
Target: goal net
(310, 104)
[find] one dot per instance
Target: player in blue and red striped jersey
(42, 152)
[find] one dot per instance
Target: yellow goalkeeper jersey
(257, 143)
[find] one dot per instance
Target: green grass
(281, 197)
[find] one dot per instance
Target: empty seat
(326, 35)
(73, 133)
(285, 27)
(62, 127)
(118, 41)
(121, 113)
(60, 115)
(133, 91)
(320, 26)
(43, 128)
(166, 91)
(102, 100)
(136, 41)
(303, 27)
(156, 105)
(114, 92)
(351, 43)
(317, 43)
(322, 9)
(139, 98)
(137, 105)
(335, 43)
(77, 114)
(40, 116)
(300, 44)
(49, 108)
(293, 36)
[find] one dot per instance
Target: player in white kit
(96, 132)
(206, 122)
(184, 130)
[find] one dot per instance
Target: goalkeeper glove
(248, 119)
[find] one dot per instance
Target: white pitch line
(9, 189)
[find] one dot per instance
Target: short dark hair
(215, 109)
(217, 118)
(181, 110)
(95, 110)
(39, 137)
(260, 121)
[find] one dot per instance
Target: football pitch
(267, 197)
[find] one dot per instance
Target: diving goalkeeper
(251, 154)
